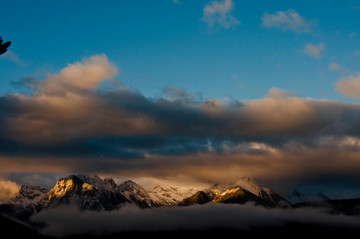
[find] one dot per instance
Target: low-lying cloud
(67, 221)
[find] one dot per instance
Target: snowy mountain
(170, 196)
(29, 195)
(25, 203)
(244, 190)
(86, 192)
(136, 194)
(94, 193)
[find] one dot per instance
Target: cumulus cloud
(349, 86)
(288, 20)
(314, 50)
(69, 221)
(85, 75)
(218, 14)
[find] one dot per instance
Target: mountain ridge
(244, 190)
(94, 193)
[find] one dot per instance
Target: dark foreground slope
(14, 229)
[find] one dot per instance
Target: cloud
(70, 123)
(218, 14)
(8, 189)
(67, 221)
(12, 56)
(314, 50)
(333, 66)
(280, 94)
(86, 75)
(288, 20)
(349, 86)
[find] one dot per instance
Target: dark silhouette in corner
(4, 46)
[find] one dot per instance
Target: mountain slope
(199, 197)
(29, 195)
(136, 194)
(85, 192)
(16, 229)
(170, 196)
(243, 190)
(335, 206)
(304, 194)
(23, 205)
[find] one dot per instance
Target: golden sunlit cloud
(8, 189)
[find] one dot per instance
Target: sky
(182, 91)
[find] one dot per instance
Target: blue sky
(160, 43)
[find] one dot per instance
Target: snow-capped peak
(136, 193)
(170, 196)
(251, 185)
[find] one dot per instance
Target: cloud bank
(69, 221)
(74, 122)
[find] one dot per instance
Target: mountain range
(244, 190)
(96, 194)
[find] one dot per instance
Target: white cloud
(288, 20)
(86, 75)
(314, 50)
(333, 66)
(349, 86)
(218, 14)
(339, 68)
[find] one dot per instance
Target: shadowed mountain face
(4, 46)
(199, 197)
